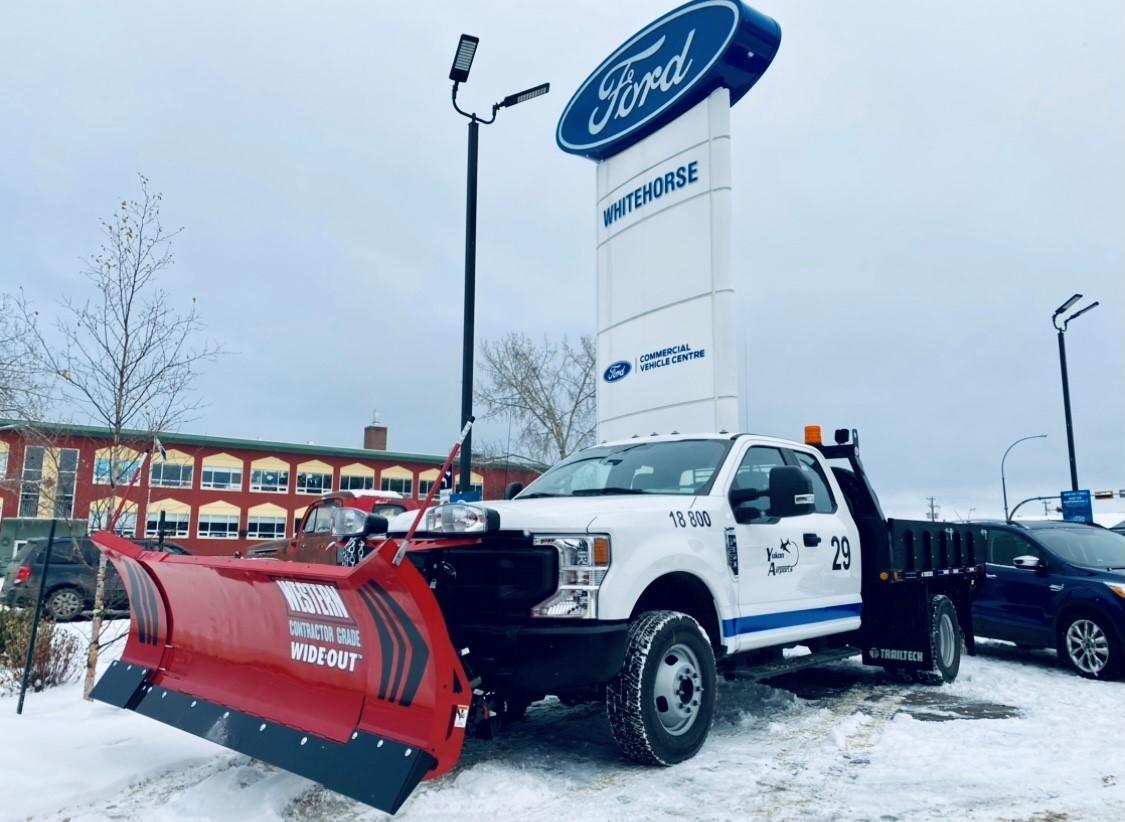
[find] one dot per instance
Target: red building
(218, 494)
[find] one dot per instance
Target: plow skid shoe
(342, 675)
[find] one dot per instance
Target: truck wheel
(1089, 647)
(660, 704)
(945, 643)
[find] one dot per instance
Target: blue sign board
(1076, 506)
(466, 496)
(665, 69)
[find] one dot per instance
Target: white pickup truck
(643, 569)
(634, 572)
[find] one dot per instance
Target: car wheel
(661, 703)
(64, 604)
(945, 643)
(1088, 646)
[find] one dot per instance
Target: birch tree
(546, 387)
(127, 354)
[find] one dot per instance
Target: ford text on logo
(664, 70)
(617, 371)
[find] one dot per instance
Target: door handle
(990, 576)
(1055, 588)
(811, 540)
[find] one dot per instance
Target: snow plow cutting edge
(343, 675)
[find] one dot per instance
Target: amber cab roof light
(812, 435)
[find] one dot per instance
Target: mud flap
(342, 675)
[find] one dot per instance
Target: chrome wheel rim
(947, 640)
(65, 604)
(678, 689)
(1087, 646)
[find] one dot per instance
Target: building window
(64, 484)
(3, 465)
(121, 470)
(273, 482)
(175, 525)
(266, 527)
(218, 526)
(221, 479)
(126, 523)
(402, 486)
(424, 487)
(312, 483)
(32, 479)
(171, 475)
(356, 482)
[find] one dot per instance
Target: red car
(313, 541)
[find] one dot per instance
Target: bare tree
(547, 389)
(23, 388)
(127, 354)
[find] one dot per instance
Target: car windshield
(684, 467)
(1089, 546)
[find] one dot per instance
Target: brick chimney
(375, 434)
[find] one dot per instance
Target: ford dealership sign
(617, 371)
(665, 69)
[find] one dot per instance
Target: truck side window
(1004, 547)
(309, 525)
(324, 517)
(754, 474)
(825, 503)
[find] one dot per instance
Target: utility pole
(934, 508)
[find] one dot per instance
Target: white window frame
(163, 466)
(212, 487)
(259, 488)
(211, 519)
(176, 524)
(255, 521)
(302, 478)
(406, 485)
(367, 482)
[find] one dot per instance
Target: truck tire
(1089, 646)
(661, 703)
(945, 643)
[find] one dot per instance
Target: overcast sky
(917, 186)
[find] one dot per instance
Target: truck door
(786, 589)
(314, 543)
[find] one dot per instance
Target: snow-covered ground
(1015, 738)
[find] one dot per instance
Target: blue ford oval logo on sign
(665, 69)
(617, 371)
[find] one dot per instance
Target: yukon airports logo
(663, 70)
(617, 371)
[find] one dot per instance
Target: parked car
(71, 577)
(312, 540)
(1059, 585)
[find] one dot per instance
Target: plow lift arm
(344, 675)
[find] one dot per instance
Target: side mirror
(1028, 562)
(791, 493)
(512, 489)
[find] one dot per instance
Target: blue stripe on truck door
(788, 619)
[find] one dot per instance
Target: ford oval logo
(617, 371)
(664, 70)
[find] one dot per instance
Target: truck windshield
(1089, 546)
(683, 467)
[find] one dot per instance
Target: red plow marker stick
(401, 552)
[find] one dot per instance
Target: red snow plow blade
(342, 675)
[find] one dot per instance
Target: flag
(447, 479)
(159, 446)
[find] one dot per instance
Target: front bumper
(543, 658)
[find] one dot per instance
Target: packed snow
(1016, 737)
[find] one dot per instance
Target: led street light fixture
(463, 61)
(1067, 305)
(522, 96)
(1078, 314)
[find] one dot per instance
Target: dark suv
(1057, 585)
(70, 579)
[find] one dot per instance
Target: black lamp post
(1061, 329)
(1004, 482)
(459, 73)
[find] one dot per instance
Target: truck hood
(568, 514)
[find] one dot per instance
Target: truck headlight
(461, 519)
(583, 563)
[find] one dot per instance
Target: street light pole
(1061, 329)
(459, 73)
(1003, 481)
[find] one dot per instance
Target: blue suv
(1057, 585)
